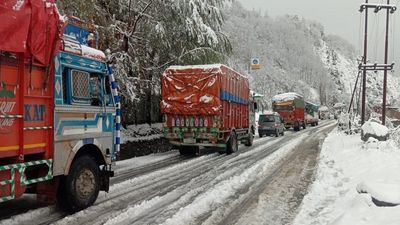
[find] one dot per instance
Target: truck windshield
(267, 118)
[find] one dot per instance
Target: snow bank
(363, 212)
(345, 162)
(142, 132)
(286, 97)
(383, 192)
(375, 130)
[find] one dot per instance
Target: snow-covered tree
(144, 37)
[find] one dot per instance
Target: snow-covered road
(263, 184)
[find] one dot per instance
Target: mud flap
(105, 179)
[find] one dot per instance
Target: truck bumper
(203, 144)
(267, 131)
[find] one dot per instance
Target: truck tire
(232, 145)
(276, 133)
(304, 125)
(296, 126)
(80, 188)
(250, 138)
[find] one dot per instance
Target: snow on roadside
(345, 162)
(142, 132)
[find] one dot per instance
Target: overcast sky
(340, 17)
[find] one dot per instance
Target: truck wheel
(276, 133)
(232, 145)
(80, 188)
(249, 141)
(304, 126)
(296, 126)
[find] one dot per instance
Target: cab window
(86, 88)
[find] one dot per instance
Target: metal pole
(385, 71)
(364, 83)
(354, 92)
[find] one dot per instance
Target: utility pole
(385, 71)
(364, 83)
(390, 9)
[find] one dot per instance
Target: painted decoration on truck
(4, 92)
(7, 105)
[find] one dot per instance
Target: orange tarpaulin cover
(191, 91)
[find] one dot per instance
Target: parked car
(271, 124)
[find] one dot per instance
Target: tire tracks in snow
(161, 208)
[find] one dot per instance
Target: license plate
(189, 141)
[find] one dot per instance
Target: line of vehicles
(212, 106)
(60, 108)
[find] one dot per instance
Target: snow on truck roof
(286, 97)
(323, 108)
(203, 67)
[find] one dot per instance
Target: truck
(59, 107)
(324, 113)
(290, 107)
(311, 113)
(207, 106)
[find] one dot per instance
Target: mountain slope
(297, 56)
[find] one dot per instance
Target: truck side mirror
(255, 106)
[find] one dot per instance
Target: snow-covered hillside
(297, 56)
(343, 70)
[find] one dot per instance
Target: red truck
(58, 103)
(290, 107)
(207, 106)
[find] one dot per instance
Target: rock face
(375, 130)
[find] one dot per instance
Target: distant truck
(58, 117)
(207, 106)
(324, 113)
(311, 113)
(290, 107)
